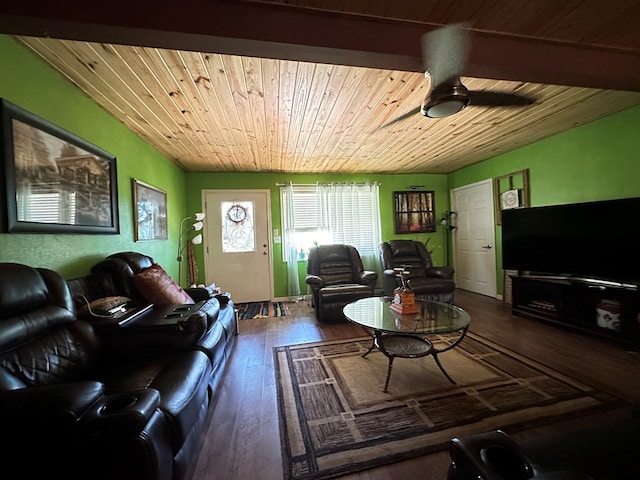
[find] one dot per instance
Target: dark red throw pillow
(157, 287)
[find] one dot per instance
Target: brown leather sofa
(82, 399)
(336, 276)
(426, 280)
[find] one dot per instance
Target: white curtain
(351, 212)
(291, 253)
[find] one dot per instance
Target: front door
(474, 238)
(237, 243)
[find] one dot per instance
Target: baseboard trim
(297, 298)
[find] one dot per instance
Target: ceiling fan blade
(445, 52)
(404, 116)
(483, 98)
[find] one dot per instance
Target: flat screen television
(593, 240)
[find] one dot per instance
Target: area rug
(335, 419)
(261, 310)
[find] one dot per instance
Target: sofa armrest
(60, 405)
(223, 299)
(389, 272)
(160, 330)
(440, 272)
(368, 277)
(314, 280)
(119, 415)
(200, 293)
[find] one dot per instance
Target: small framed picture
(510, 199)
(150, 212)
(511, 191)
(414, 211)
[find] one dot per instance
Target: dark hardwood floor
(243, 441)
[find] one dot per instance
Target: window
(238, 229)
(333, 213)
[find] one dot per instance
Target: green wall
(389, 183)
(597, 161)
(27, 82)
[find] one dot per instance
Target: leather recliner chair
(73, 405)
(336, 277)
(426, 280)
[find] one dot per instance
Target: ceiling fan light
(445, 100)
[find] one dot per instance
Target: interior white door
(474, 254)
(237, 243)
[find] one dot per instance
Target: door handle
(487, 246)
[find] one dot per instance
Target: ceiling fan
(445, 52)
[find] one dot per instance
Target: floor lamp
(447, 222)
(195, 226)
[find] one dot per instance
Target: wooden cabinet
(605, 309)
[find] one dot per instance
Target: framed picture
(414, 212)
(511, 191)
(510, 199)
(150, 212)
(55, 182)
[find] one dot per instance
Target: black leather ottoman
(602, 452)
(335, 297)
(495, 456)
(437, 290)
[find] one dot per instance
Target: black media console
(607, 309)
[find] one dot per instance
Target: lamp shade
(197, 226)
(197, 240)
(199, 216)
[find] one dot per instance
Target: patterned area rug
(261, 310)
(335, 419)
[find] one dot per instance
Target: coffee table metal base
(401, 345)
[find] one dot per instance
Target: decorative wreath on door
(237, 213)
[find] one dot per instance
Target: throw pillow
(157, 287)
(102, 307)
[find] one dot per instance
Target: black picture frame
(414, 212)
(55, 182)
(150, 212)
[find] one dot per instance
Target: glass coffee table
(407, 336)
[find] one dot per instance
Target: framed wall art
(414, 212)
(55, 182)
(150, 212)
(511, 191)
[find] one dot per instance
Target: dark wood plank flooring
(242, 441)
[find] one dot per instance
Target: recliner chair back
(336, 276)
(122, 268)
(39, 339)
(336, 264)
(426, 280)
(406, 253)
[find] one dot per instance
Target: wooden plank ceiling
(216, 109)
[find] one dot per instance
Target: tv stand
(604, 308)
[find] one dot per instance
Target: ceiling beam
(275, 31)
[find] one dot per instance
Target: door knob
(486, 246)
